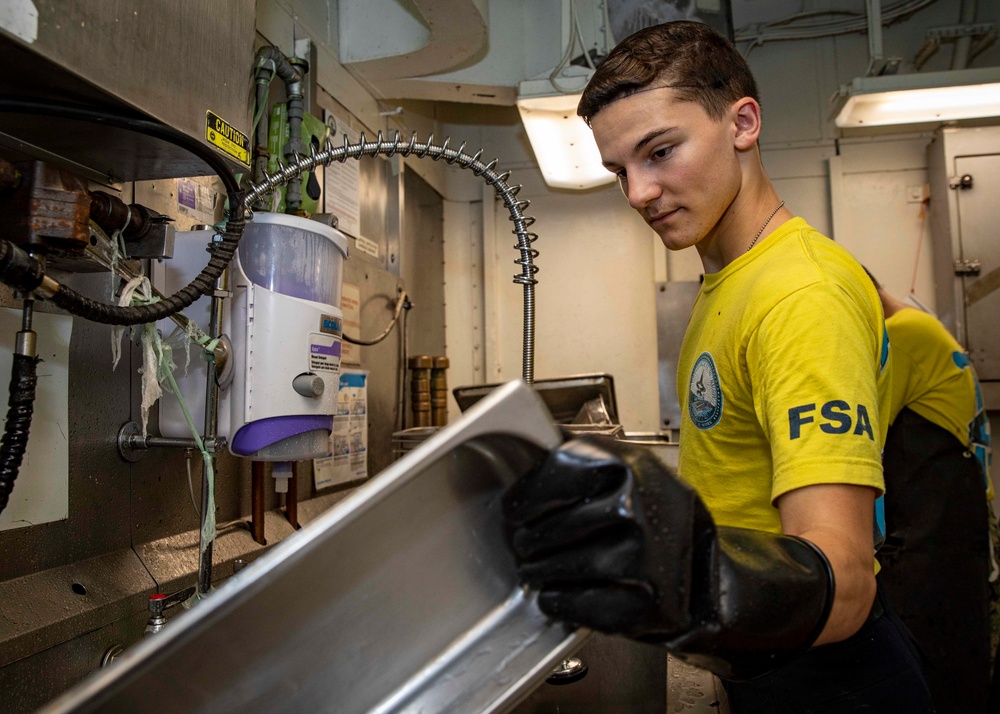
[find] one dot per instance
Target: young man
(784, 385)
(935, 560)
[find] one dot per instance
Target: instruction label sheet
(348, 459)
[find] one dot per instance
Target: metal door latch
(963, 182)
(967, 266)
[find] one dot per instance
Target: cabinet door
(979, 231)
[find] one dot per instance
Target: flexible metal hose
(428, 149)
(203, 284)
(401, 302)
(23, 380)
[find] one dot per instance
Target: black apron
(935, 560)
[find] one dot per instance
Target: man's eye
(662, 153)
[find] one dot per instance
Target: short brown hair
(690, 57)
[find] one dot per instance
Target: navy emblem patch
(704, 393)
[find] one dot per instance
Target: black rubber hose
(18, 269)
(23, 379)
(203, 284)
(75, 303)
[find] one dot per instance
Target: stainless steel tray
(563, 396)
(402, 598)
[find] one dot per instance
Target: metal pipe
(401, 302)
(294, 110)
(258, 492)
(132, 443)
(269, 61)
(292, 497)
(282, 66)
(401, 377)
(960, 59)
(211, 429)
(927, 50)
(138, 441)
(111, 214)
(27, 313)
(260, 150)
(874, 14)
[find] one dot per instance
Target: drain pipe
(960, 59)
(258, 494)
(292, 497)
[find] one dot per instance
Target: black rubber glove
(615, 542)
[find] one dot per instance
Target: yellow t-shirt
(783, 378)
(932, 376)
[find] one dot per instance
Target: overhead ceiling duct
(385, 43)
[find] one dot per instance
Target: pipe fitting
(26, 343)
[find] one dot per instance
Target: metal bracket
(952, 32)
(224, 364)
(126, 436)
(156, 243)
(963, 182)
(885, 66)
(967, 266)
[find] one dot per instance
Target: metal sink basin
(401, 598)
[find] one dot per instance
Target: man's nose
(642, 190)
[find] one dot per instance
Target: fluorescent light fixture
(563, 143)
(919, 98)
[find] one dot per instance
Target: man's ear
(746, 115)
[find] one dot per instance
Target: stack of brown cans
(428, 390)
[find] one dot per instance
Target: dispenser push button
(309, 385)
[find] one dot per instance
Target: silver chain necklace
(764, 226)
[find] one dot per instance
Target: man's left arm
(823, 398)
(837, 518)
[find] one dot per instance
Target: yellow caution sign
(228, 138)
